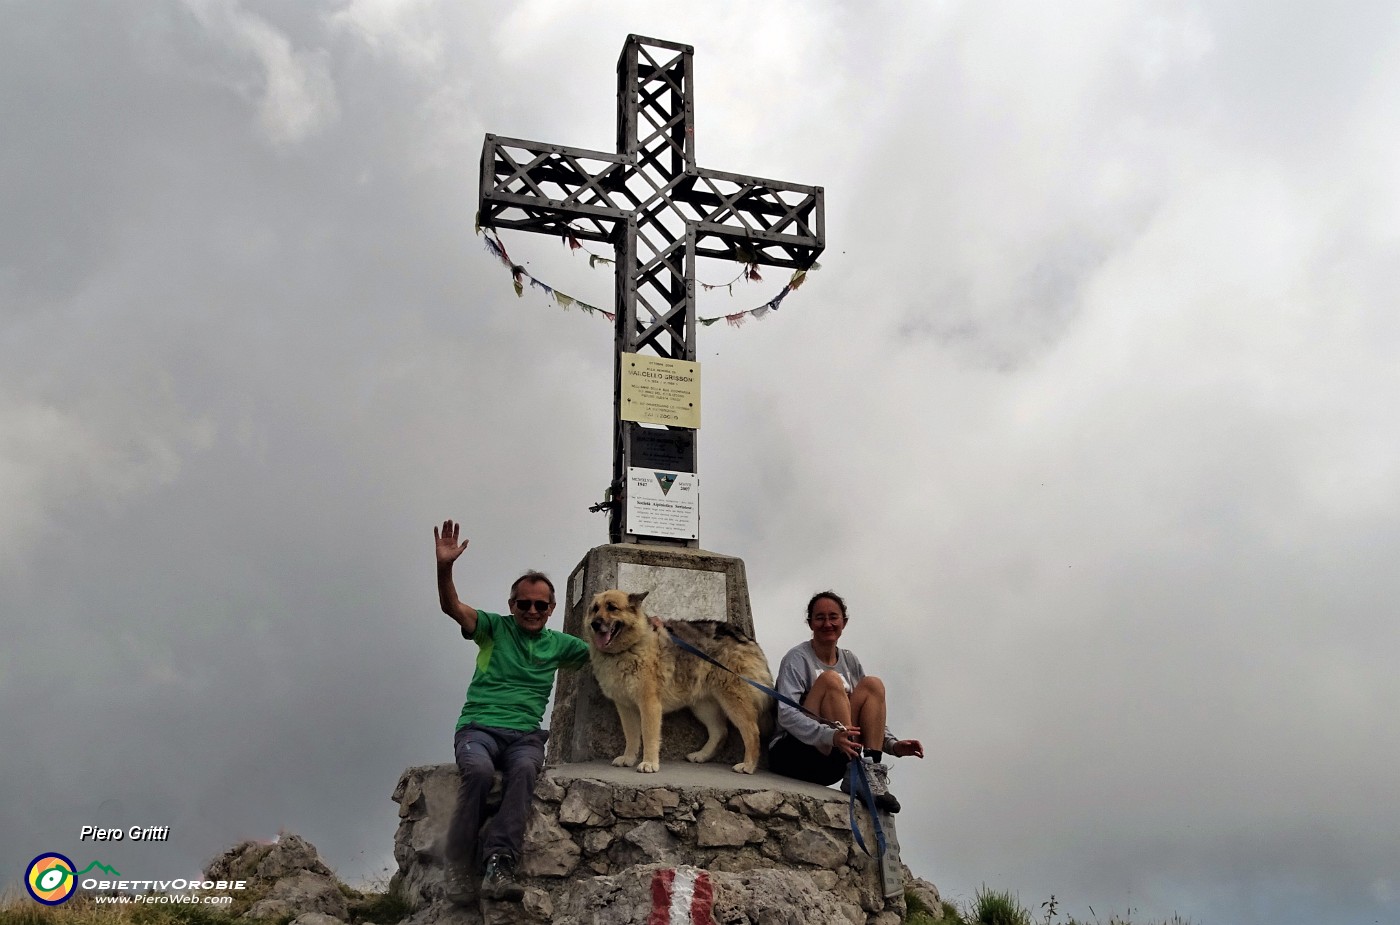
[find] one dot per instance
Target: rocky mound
(288, 882)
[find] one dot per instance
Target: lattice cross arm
(553, 189)
(754, 220)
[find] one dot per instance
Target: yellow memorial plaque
(656, 390)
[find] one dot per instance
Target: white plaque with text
(661, 503)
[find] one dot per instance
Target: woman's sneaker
(878, 776)
(499, 882)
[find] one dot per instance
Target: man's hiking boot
(878, 776)
(499, 882)
(459, 889)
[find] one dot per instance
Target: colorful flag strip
(519, 276)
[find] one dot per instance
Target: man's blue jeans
(481, 751)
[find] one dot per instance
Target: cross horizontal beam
(560, 190)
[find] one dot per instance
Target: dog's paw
(697, 757)
(649, 767)
(624, 761)
(746, 767)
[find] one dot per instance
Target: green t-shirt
(515, 671)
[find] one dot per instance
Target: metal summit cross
(660, 212)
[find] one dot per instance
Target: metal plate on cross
(662, 449)
(660, 390)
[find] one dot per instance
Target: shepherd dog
(646, 675)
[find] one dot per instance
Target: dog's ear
(635, 599)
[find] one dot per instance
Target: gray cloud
(1088, 414)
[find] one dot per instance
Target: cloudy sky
(1090, 414)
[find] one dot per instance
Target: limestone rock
(237, 863)
(286, 879)
(718, 827)
(763, 803)
(588, 803)
(538, 904)
(777, 851)
(833, 815)
(264, 862)
(654, 842)
(549, 790)
(650, 804)
(300, 892)
(427, 797)
(924, 891)
(316, 918)
(760, 897)
(409, 795)
(597, 841)
(535, 908)
(291, 853)
(745, 859)
(426, 802)
(549, 849)
(813, 846)
(444, 913)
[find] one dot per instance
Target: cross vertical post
(659, 212)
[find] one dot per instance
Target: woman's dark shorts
(791, 757)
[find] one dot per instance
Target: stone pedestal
(685, 584)
(776, 850)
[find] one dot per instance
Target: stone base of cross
(660, 212)
(686, 584)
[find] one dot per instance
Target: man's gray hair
(532, 575)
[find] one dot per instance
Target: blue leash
(763, 687)
(857, 782)
(855, 768)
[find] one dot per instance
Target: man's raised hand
(446, 542)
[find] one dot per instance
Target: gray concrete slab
(685, 774)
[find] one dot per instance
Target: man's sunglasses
(536, 606)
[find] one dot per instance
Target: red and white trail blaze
(682, 896)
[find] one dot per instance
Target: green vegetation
(386, 907)
(916, 912)
(81, 910)
(381, 908)
(997, 907)
(1002, 907)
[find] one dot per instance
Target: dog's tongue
(605, 636)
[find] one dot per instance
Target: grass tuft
(381, 908)
(916, 911)
(21, 910)
(997, 907)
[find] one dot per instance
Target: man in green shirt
(499, 728)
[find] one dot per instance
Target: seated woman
(830, 682)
